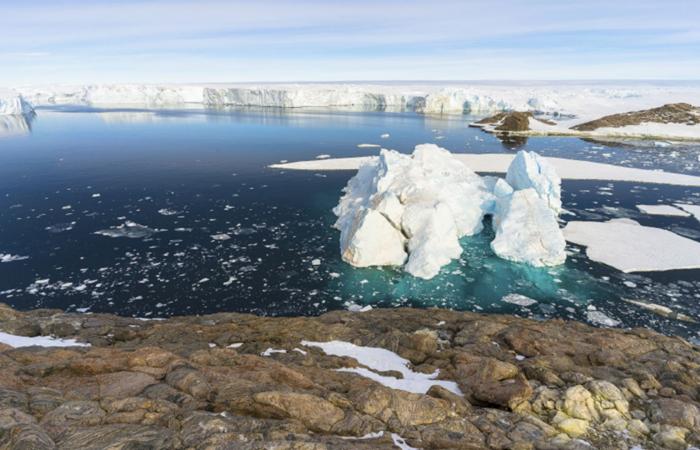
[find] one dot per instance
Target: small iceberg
(130, 230)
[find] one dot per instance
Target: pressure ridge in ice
(411, 210)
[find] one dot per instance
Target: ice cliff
(411, 210)
(13, 104)
(586, 101)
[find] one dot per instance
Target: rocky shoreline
(234, 381)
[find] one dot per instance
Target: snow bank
(41, 341)
(377, 359)
(13, 104)
(567, 169)
(630, 247)
(414, 209)
(421, 203)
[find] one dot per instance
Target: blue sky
(71, 41)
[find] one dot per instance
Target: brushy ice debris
(415, 207)
(129, 229)
(599, 318)
(7, 257)
(518, 299)
(527, 230)
(530, 170)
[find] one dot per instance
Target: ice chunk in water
(129, 229)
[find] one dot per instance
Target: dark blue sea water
(186, 176)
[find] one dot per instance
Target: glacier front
(412, 210)
(13, 104)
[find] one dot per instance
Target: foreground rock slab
(201, 383)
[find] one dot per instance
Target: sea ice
(519, 299)
(630, 247)
(567, 169)
(128, 229)
(662, 210)
(7, 257)
(381, 360)
(692, 209)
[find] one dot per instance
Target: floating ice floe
(40, 341)
(323, 156)
(7, 257)
(220, 237)
(168, 212)
(630, 247)
(377, 359)
(662, 210)
(413, 209)
(129, 229)
(691, 209)
(600, 318)
(567, 169)
(519, 299)
(368, 145)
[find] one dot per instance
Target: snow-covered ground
(376, 359)
(40, 341)
(584, 100)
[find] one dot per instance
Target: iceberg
(530, 170)
(415, 208)
(527, 230)
(411, 210)
(13, 104)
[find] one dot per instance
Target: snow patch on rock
(376, 359)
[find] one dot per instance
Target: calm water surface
(184, 177)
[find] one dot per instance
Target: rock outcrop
(201, 382)
(682, 113)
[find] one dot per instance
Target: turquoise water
(186, 176)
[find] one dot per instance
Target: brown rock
(124, 384)
(314, 412)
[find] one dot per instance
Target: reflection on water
(15, 125)
(512, 142)
(161, 212)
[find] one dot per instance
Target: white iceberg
(527, 230)
(530, 170)
(13, 104)
(414, 209)
(416, 206)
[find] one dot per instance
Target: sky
(177, 41)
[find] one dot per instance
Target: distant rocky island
(395, 378)
(677, 121)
